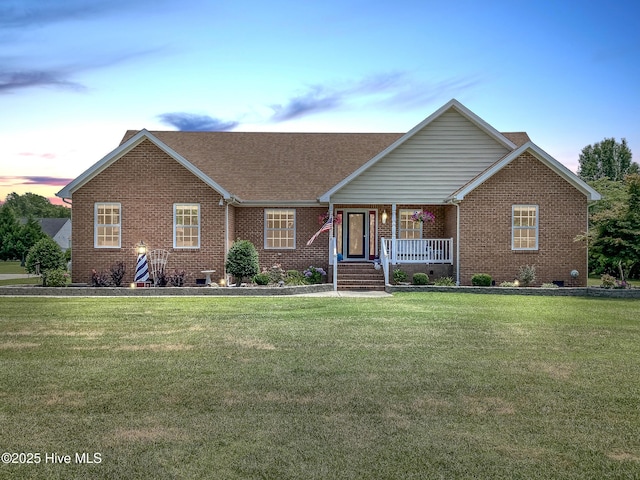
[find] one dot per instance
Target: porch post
(393, 234)
(333, 253)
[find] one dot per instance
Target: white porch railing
(418, 250)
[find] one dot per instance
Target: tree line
(19, 229)
(614, 221)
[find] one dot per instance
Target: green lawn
(11, 267)
(415, 386)
(14, 267)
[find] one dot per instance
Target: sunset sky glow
(76, 74)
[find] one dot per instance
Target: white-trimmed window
(186, 225)
(407, 227)
(279, 228)
(524, 230)
(107, 225)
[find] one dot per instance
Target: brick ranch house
(499, 201)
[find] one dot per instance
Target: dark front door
(356, 235)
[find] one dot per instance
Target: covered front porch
(408, 236)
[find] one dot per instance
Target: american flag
(328, 225)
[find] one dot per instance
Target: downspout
(226, 241)
(457, 204)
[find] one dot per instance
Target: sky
(76, 74)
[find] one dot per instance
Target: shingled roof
(263, 167)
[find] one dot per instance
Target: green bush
(420, 278)
(242, 260)
(444, 282)
(55, 278)
(45, 255)
(508, 284)
(607, 281)
(294, 277)
(313, 275)
(399, 276)
(261, 279)
(481, 280)
(527, 275)
(549, 285)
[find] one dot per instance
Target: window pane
(187, 231)
(279, 228)
(525, 227)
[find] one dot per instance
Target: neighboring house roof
(59, 229)
(454, 146)
(50, 226)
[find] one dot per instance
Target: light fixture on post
(385, 216)
(141, 248)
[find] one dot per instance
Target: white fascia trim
(541, 155)
(123, 149)
(280, 203)
(464, 111)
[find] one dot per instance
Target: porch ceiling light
(384, 216)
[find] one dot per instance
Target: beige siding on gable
(428, 167)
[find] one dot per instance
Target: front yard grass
(414, 386)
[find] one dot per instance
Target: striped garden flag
(142, 269)
(326, 227)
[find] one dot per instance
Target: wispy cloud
(26, 13)
(11, 81)
(34, 180)
(196, 123)
(390, 90)
(47, 156)
(395, 90)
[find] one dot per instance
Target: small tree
(617, 239)
(45, 255)
(242, 260)
(9, 232)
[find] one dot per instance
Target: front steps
(360, 276)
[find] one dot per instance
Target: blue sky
(76, 74)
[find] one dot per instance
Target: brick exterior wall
(249, 225)
(147, 182)
(485, 230)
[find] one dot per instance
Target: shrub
(444, 282)
(242, 260)
(481, 280)
(160, 279)
(55, 278)
(46, 254)
(508, 284)
(527, 275)
(177, 278)
(549, 285)
(294, 277)
(420, 278)
(276, 273)
(314, 274)
(117, 273)
(607, 281)
(261, 279)
(399, 276)
(99, 279)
